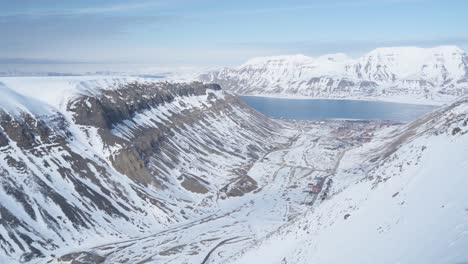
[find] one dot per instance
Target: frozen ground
(315, 150)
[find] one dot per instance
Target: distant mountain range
(405, 74)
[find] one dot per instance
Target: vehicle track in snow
(220, 244)
(243, 221)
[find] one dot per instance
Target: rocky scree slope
(406, 74)
(102, 160)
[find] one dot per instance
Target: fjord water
(322, 109)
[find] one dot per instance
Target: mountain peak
(433, 64)
(430, 74)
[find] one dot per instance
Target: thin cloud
(310, 5)
(111, 9)
(70, 36)
(34, 61)
(98, 10)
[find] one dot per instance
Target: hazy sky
(215, 32)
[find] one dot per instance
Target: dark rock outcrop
(120, 156)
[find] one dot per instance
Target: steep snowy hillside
(405, 74)
(399, 199)
(132, 170)
(314, 150)
(84, 161)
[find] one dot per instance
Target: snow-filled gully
(241, 222)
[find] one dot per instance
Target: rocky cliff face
(111, 161)
(431, 75)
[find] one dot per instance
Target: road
(282, 176)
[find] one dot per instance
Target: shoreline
(408, 101)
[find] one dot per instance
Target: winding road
(282, 176)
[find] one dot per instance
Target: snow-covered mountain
(85, 160)
(133, 170)
(409, 74)
(398, 199)
(394, 194)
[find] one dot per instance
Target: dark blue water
(321, 109)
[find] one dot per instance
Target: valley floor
(315, 150)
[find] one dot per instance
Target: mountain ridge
(116, 158)
(125, 170)
(410, 74)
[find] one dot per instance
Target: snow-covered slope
(407, 74)
(129, 170)
(399, 199)
(87, 160)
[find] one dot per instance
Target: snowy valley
(234, 132)
(400, 198)
(107, 159)
(133, 170)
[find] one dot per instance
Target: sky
(168, 33)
